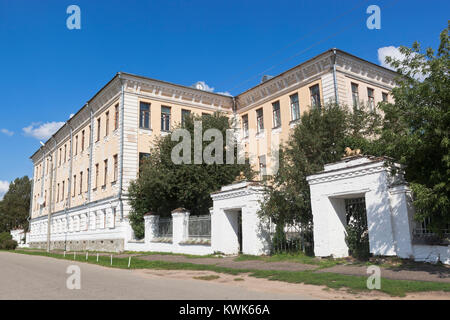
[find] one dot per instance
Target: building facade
(82, 173)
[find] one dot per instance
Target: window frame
(144, 115)
(276, 114)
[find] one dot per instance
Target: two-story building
(82, 173)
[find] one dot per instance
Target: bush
(8, 245)
(5, 236)
(6, 242)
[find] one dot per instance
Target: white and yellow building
(82, 173)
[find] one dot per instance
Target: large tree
(164, 185)
(416, 128)
(320, 138)
(15, 206)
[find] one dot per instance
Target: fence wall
(172, 235)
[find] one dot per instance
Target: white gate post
(151, 221)
(180, 222)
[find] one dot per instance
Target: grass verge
(331, 280)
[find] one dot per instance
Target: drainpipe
(334, 77)
(69, 188)
(50, 200)
(91, 151)
(122, 116)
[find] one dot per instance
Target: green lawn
(331, 280)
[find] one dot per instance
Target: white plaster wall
(326, 190)
(432, 254)
(224, 223)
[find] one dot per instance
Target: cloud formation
(201, 85)
(389, 51)
(42, 131)
(7, 132)
(4, 186)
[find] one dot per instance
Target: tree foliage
(416, 128)
(320, 138)
(15, 206)
(163, 186)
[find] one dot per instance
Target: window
(57, 193)
(81, 182)
(74, 185)
(63, 191)
(90, 135)
(107, 123)
(245, 125)
(165, 118)
(355, 95)
(276, 114)
(184, 115)
(45, 198)
(65, 153)
(96, 176)
(116, 117)
(315, 96)
(87, 178)
(262, 166)
(105, 176)
(259, 120)
(82, 140)
(295, 107)
(371, 99)
(142, 157)
(99, 123)
(144, 118)
(385, 97)
(116, 167)
(76, 144)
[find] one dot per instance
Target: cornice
(165, 90)
(245, 191)
(346, 173)
(285, 82)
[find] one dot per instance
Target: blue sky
(49, 72)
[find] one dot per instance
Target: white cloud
(7, 132)
(390, 51)
(201, 85)
(4, 186)
(394, 52)
(42, 131)
(226, 93)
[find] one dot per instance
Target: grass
(238, 279)
(328, 279)
(293, 257)
(190, 256)
(207, 278)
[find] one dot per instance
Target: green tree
(416, 128)
(320, 138)
(15, 206)
(163, 185)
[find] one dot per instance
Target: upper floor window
(276, 114)
(74, 185)
(107, 123)
(76, 144)
(315, 96)
(371, 98)
(295, 107)
(65, 153)
(355, 95)
(142, 158)
(116, 117)
(259, 120)
(116, 167)
(245, 125)
(82, 140)
(144, 115)
(96, 176)
(384, 97)
(184, 114)
(165, 118)
(81, 182)
(105, 176)
(99, 126)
